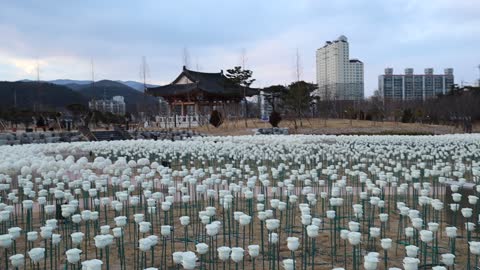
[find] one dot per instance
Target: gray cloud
(65, 35)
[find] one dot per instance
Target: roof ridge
(209, 73)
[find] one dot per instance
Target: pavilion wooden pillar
(196, 108)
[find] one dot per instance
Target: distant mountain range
(108, 89)
(136, 85)
(76, 84)
(57, 94)
(67, 81)
(29, 95)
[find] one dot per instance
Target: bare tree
(93, 72)
(144, 74)
(298, 66)
(243, 58)
(243, 62)
(186, 57)
(38, 104)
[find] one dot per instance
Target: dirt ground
(322, 255)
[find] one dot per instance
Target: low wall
(12, 138)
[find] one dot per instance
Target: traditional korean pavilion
(194, 92)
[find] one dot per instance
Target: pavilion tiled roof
(215, 84)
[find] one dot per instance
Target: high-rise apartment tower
(338, 76)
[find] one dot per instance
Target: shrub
(216, 118)
(275, 118)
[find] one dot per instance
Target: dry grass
(331, 126)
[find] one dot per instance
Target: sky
(65, 37)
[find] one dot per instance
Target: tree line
(76, 114)
(459, 106)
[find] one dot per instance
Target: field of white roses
(247, 202)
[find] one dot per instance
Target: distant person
(469, 124)
(166, 163)
(41, 123)
(58, 210)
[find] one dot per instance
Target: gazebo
(198, 93)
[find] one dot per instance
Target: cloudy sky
(64, 36)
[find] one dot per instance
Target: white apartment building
(338, 76)
(116, 105)
(411, 86)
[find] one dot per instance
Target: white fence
(180, 121)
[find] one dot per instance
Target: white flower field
(246, 202)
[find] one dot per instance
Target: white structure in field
(265, 106)
(163, 106)
(338, 76)
(116, 105)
